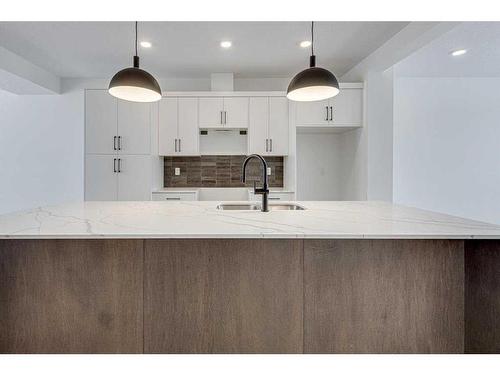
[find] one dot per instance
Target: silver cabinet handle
(180, 145)
(114, 143)
(173, 198)
(119, 142)
(331, 113)
(271, 145)
(326, 113)
(114, 165)
(175, 145)
(267, 145)
(221, 122)
(225, 117)
(119, 165)
(274, 198)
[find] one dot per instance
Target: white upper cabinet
(211, 112)
(347, 107)
(236, 112)
(258, 135)
(178, 127)
(101, 123)
(188, 133)
(229, 112)
(313, 113)
(167, 126)
(343, 110)
(134, 128)
(268, 130)
(278, 126)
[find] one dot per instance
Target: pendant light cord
(312, 37)
(136, 38)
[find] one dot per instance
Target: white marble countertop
(202, 220)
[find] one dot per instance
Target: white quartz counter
(203, 220)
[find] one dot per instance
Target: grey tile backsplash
(219, 171)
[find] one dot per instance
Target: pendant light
(134, 84)
(314, 83)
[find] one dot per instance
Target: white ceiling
(482, 41)
(191, 49)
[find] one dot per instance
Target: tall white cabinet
(118, 163)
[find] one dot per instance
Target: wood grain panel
(71, 296)
(383, 296)
(482, 296)
(223, 296)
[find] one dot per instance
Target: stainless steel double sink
(257, 207)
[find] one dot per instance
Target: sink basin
(257, 207)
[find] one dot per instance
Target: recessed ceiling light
(459, 52)
(146, 44)
(305, 43)
(226, 44)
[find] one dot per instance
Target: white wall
(447, 145)
(41, 149)
(379, 129)
(330, 165)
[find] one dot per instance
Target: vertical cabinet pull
(119, 142)
(114, 165)
(119, 165)
(225, 117)
(175, 145)
(267, 145)
(326, 113)
(331, 113)
(271, 145)
(114, 143)
(180, 145)
(221, 122)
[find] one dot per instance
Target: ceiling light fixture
(226, 44)
(305, 43)
(458, 52)
(314, 83)
(146, 44)
(134, 84)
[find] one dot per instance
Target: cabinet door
(100, 178)
(258, 142)
(278, 126)
(71, 296)
(210, 112)
(347, 107)
(223, 296)
(134, 178)
(100, 122)
(134, 124)
(188, 126)
(312, 113)
(236, 112)
(167, 126)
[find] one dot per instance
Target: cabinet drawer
(274, 196)
(174, 196)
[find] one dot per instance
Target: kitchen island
(185, 277)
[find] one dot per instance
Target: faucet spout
(264, 191)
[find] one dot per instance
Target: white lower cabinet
(134, 178)
(101, 183)
(273, 196)
(117, 177)
(175, 196)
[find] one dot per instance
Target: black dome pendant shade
(314, 83)
(134, 84)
